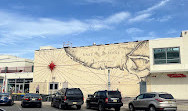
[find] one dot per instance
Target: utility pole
(109, 79)
(5, 79)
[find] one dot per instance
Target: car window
(114, 94)
(32, 95)
(102, 93)
(95, 94)
(146, 96)
(74, 92)
(166, 96)
(140, 97)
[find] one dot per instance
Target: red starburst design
(52, 66)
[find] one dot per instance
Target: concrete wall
(87, 67)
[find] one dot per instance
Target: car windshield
(32, 95)
(4, 94)
(114, 94)
(166, 96)
(74, 92)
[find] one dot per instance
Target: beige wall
(181, 42)
(87, 67)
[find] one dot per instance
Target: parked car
(105, 99)
(153, 101)
(6, 98)
(68, 97)
(31, 99)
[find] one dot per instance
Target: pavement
(46, 106)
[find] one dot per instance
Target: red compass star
(52, 66)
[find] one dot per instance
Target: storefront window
(166, 55)
(1, 80)
(19, 85)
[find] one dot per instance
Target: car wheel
(22, 106)
(87, 106)
(78, 106)
(11, 103)
(152, 108)
(52, 105)
(60, 106)
(117, 109)
(101, 107)
(131, 107)
(40, 106)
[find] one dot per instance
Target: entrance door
(19, 88)
(142, 87)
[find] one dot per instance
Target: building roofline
(95, 45)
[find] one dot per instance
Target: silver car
(153, 101)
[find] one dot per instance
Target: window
(53, 86)
(166, 55)
(56, 86)
(1, 80)
(166, 96)
(140, 97)
(149, 96)
(102, 94)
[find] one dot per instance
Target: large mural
(88, 67)
(132, 57)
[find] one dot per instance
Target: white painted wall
(178, 87)
(181, 42)
(13, 61)
(158, 81)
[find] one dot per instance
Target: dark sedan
(31, 99)
(6, 98)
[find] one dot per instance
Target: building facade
(15, 74)
(169, 66)
(88, 68)
(159, 65)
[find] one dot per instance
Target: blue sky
(25, 25)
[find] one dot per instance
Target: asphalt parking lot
(182, 106)
(45, 107)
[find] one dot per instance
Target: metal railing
(16, 69)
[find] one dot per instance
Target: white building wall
(159, 81)
(181, 42)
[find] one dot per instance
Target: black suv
(105, 99)
(67, 97)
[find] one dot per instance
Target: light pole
(109, 79)
(5, 79)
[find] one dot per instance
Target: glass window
(56, 86)
(149, 96)
(51, 86)
(140, 97)
(166, 96)
(11, 81)
(167, 55)
(19, 80)
(74, 92)
(1, 80)
(28, 80)
(114, 94)
(102, 93)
